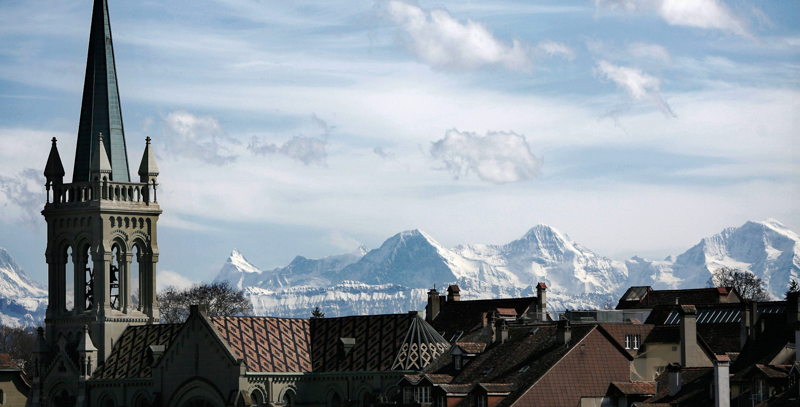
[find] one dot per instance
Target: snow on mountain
(301, 271)
(396, 276)
(23, 301)
(768, 249)
(546, 254)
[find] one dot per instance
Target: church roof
(131, 356)
(100, 109)
(267, 344)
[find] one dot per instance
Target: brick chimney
(674, 378)
(453, 293)
(691, 354)
(722, 381)
(432, 309)
(563, 332)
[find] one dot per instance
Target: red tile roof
(130, 357)
(471, 347)
(267, 344)
(636, 388)
(6, 363)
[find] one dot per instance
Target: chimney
(453, 293)
(563, 332)
(541, 301)
(722, 381)
(754, 331)
(432, 310)
(500, 331)
(792, 308)
(674, 378)
(744, 324)
(691, 354)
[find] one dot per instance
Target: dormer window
(633, 341)
(422, 394)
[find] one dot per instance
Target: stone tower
(100, 227)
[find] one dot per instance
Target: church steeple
(100, 110)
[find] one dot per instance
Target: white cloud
(167, 278)
(385, 155)
(636, 83)
(643, 50)
(708, 14)
(498, 157)
(308, 150)
(342, 241)
(444, 42)
(25, 193)
(556, 49)
(198, 137)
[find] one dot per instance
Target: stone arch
(62, 395)
(334, 396)
(107, 399)
(197, 392)
(140, 399)
(365, 395)
(393, 394)
(259, 396)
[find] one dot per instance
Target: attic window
(524, 369)
(456, 336)
(633, 341)
(534, 330)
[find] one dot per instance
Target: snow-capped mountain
(768, 249)
(23, 301)
(300, 272)
(396, 276)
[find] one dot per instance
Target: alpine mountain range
(396, 277)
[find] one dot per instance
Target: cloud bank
(498, 157)
(707, 14)
(442, 41)
(25, 191)
(308, 150)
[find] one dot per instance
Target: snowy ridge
(396, 276)
(23, 301)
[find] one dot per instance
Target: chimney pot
(674, 378)
(722, 381)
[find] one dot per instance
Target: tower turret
(53, 170)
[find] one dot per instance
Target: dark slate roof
(267, 344)
(465, 316)
(635, 388)
(777, 334)
(130, 356)
(378, 339)
(729, 314)
(663, 334)
(695, 389)
(696, 296)
(722, 338)
(100, 108)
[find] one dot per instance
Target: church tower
(100, 228)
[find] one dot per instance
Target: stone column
(125, 282)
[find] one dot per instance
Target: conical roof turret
(100, 163)
(54, 170)
(100, 110)
(148, 167)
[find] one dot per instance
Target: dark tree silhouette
(317, 313)
(18, 343)
(793, 288)
(746, 283)
(219, 300)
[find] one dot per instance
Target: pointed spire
(100, 163)
(54, 170)
(100, 110)
(148, 168)
(86, 344)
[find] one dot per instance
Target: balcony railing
(140, 192)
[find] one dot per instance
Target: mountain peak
(360, 250)
(237, 259)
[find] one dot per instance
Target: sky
(637, 127)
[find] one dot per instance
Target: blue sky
(307, 128)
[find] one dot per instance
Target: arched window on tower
(135, 277)
(113, 280)
(69, 283)
(88, 277)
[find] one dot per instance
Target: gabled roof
(130, 357)
(465, 316)
(767, 345)
(267, 344)
(619, 331)
(695, 384)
